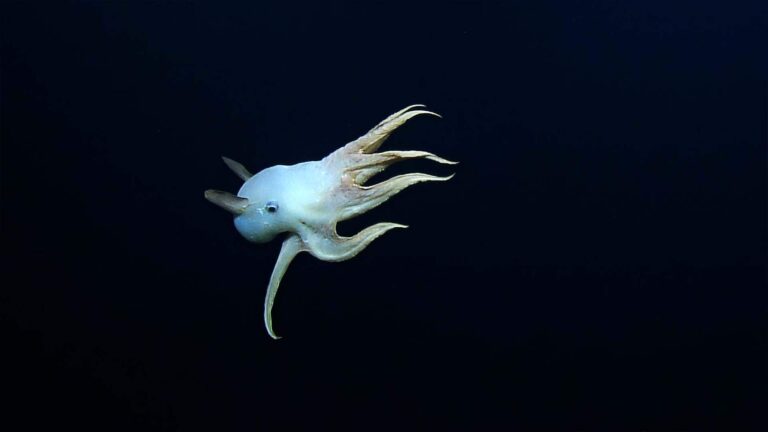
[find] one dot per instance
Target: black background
(597, 263)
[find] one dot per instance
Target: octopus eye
(272, 206)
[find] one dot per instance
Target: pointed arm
(291, 247)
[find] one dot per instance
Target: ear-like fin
(291, 247)
(227, 201)
(238, 168)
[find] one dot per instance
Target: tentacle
(329, 246)
(372, 140)
(369, 165)
(237, 168)
(291, 247)
(363, 198)
(398, 114)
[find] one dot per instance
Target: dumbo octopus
(308, 199)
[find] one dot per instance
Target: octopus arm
(292, 245)
(371, 141)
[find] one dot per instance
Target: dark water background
(598, 262)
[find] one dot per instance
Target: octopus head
(265, 216)
(258, 207)
(260, 223)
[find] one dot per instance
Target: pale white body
(307, 200)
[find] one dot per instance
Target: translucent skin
(308, 199)
(300, 192)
